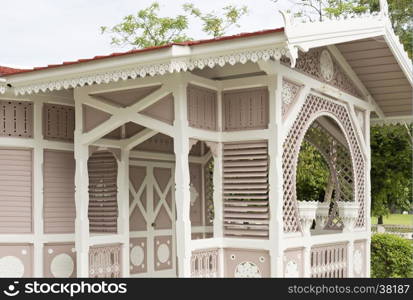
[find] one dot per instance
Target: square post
(82, 235)
(182, 179)
(123, 210)
(38, 228)
(275, 176)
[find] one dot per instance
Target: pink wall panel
(293, 263)
(246, 263)
(195, 171)
(58, 122)
(16, 191)
(163, 253)
(59, 211)
(16, 260)
(245, 109)
(162, 110)
(93, 117)
(202, 107)
(16, 118)
(359, 259)
(138, 255)
(59, 260)
(158, 143)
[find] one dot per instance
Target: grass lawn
(396, 219)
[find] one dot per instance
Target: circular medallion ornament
(357, 262)
(137, 256)
(163, 253)
(62, 266)
(11, 266)
(247, 269)
(291, 270)
(326, 65)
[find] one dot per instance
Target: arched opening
(103, 189)
(324, 177)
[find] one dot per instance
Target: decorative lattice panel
(103, 207)
(205, 263)
(329, 261)
(16, 118)
(314, 107)
(321, 65)
(245, 190)
(59, 122)
(104, 261)
(290, 92)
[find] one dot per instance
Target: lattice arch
(314, 107)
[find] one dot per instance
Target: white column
(217, 194)
(38, 190)
(275, 177)
(368, 191)
(307, 261)
(182, 193)
(350, 251)
(123, 209)
(82, 235)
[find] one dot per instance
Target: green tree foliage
(312, 174)
(319, 10)
(213, 23)
(391, 168)
(391, 257)
(146, 28)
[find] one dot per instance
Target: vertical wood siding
(16, 191)
(59, 211)
(16, 118)
(245, 109)
(202, 108)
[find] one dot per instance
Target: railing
(329, 261)
(205, 263)
(404, 231)
(104, 261)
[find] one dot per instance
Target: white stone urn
(348, 212)
(307, 212)
(322, 214)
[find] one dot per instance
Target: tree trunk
(380, 220)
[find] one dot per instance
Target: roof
(8, 70)
(11, 71)
(365, 46)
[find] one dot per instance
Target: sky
(41, 32)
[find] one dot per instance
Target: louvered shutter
(16, 191)
(245, 190)
(103, 207)
(59, 210)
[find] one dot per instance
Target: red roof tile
(7, 70)
(11, 71)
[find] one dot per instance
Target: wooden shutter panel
(245, 190)
(16, 191)
(103, 206)
(59, 210)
